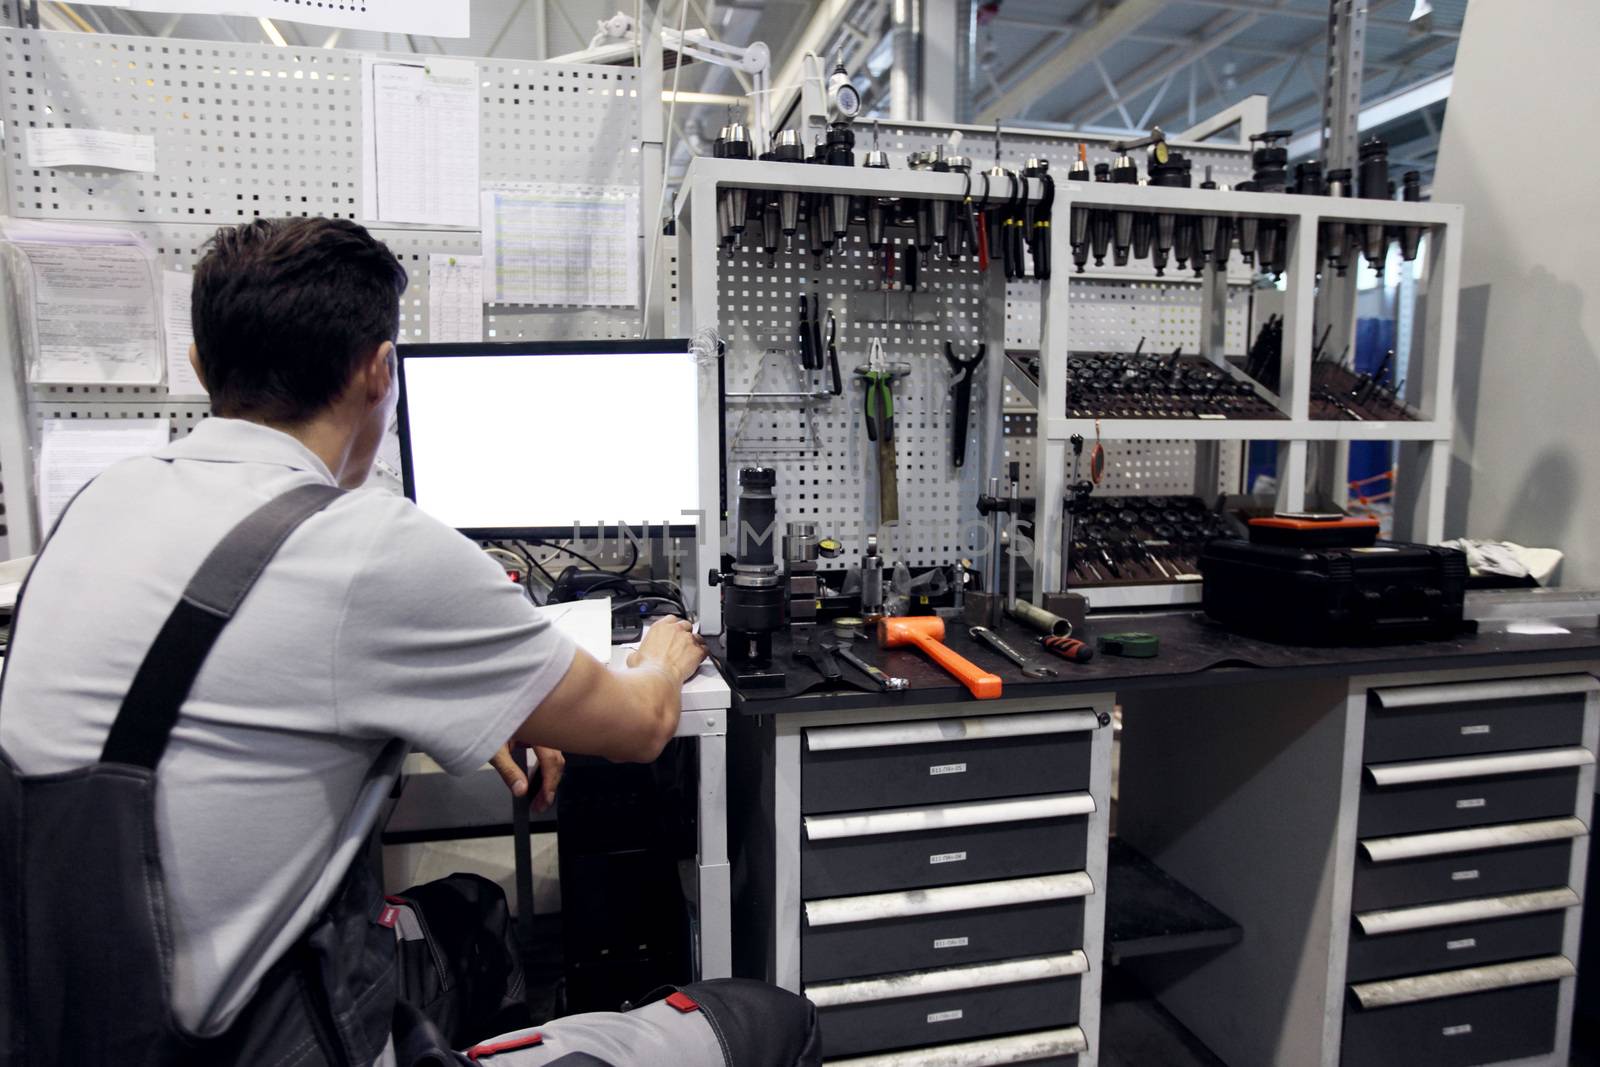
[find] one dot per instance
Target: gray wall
(1519, 151)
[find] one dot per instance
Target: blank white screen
(522, 441)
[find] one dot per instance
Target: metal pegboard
(1020, 429)
(181, 417)
(820, 448)
(179, 247)
(1111, 316)
(244, 131)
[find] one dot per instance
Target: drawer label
(950, 942)
(1463, 876)
(1465, 942)
(1457, 1031)
(948, 768)
(1470, 802)
(1473, 731)
(944, 1016)
(948, 857)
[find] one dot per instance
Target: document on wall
(549, 243)
(88, 303)
(176, 286)
(101, 149)
(419, 141)
(436, 18)
(455, 298)
(71, 451)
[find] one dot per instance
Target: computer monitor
(538, 439)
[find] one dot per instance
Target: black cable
(571, 552)
(536, 564)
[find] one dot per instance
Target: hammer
(926, 633)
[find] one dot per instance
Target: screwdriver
(1068, 648)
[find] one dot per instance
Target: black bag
(458, 958)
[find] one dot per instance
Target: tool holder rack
(826, 466)
(1425, 441)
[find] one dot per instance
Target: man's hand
(673, 645)
(550, 761)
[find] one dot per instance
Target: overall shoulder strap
(150, 710)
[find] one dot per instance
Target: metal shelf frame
(1432, 382)
(1430, 390)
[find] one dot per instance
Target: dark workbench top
(1194, 650)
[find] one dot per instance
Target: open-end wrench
(888, 683)
(985, 636)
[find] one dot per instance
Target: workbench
(1362, 855)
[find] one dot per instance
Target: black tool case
(1335, 596)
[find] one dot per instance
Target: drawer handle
(1445, 842)
(872, 907)
(974, 813)
(1396, 920)
(929, 731)
(1454, 983)
(947, 979)
(1418, 696)
(1443, 770)
(1018, 1048)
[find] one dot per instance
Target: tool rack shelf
(1425, 441)
(742, 294)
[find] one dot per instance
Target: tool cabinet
(1473, 848)
(1404, 851)
(947, 867)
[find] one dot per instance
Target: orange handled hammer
(926, 633)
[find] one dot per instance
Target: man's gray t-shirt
(374, 625)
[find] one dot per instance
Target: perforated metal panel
(244, 131)
(820, 448)
(1112, 316)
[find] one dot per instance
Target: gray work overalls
(86, 943)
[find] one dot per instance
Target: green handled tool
(878, 407)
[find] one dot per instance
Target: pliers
(833, 355)
(878, 404)
(961, 396)
(810, 335)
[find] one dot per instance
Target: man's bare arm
(627, 715)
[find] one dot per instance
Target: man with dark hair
(193, 760)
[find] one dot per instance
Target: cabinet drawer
(947, 1005)
(1442, 948)
(845, 855)
(1459, 875)
(1467, 718)
(1440, 805)
(1507, 1023)
(1042, 1048)
(940, 761)
(849, 937)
